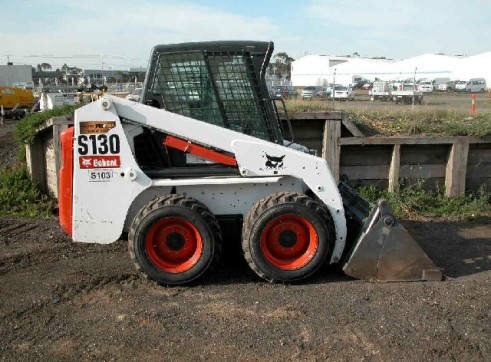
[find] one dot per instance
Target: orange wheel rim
(174, 245)
(289, 242)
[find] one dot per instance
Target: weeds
(19, 196)
(25, 129)
(403, 121)
(413, 202)
(436, 123)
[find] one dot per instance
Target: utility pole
(414, 87)
(333, 87)
(102, 68)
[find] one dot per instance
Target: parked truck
(406, 93)
(380, 91)
(10, 97)
(15, 102)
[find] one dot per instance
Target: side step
(383, 250)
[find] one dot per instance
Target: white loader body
(109, 187)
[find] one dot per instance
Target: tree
(43, 67)
(282, 64)
(71, 72)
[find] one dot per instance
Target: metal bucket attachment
(385, 251)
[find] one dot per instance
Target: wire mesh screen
(221, 88)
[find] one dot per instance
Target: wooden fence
(458, 163)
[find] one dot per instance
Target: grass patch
(300, 105)
(19, 196)
(429, 123)
(414, 202)
(25, 129)
(402, 121)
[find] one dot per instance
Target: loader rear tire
(174, 240)
(287, 237)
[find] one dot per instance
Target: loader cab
(221, 83)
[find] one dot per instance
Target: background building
(321, 70)
(15, 74)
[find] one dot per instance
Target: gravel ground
(61, 300)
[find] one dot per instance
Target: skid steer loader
(205, 146)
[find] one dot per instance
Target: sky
(121, 33)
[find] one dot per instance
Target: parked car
(447, 86)
(441, 81)
(460, 86)
(135, 95)
(330, 88)
(444, 87)
(343, 93)
(426, 87)
(313, 92)
(475, 85)
(284, 91)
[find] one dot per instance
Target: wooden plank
(394, 169)
(380, 172)
(479, 156)
(478, 183)
(352, 127)
(410, 140)
(482, 169)
(310, 133)
(314, 115)
(330, 147)
(366, 155)
(50, 171)
(456, 170)
(421, 171)
(424, 154)
(36, 163)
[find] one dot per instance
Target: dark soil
(61, 300)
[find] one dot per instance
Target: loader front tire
(287, 237)
(174, 240)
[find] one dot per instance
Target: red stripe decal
(201, 151)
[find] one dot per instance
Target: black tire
(174, 240)
(290, 224)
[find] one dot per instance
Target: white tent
(477, 66)
(313, 69)
(346, 73)
(429, 66)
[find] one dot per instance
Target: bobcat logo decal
(274, 162)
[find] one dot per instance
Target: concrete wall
(44, 155)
